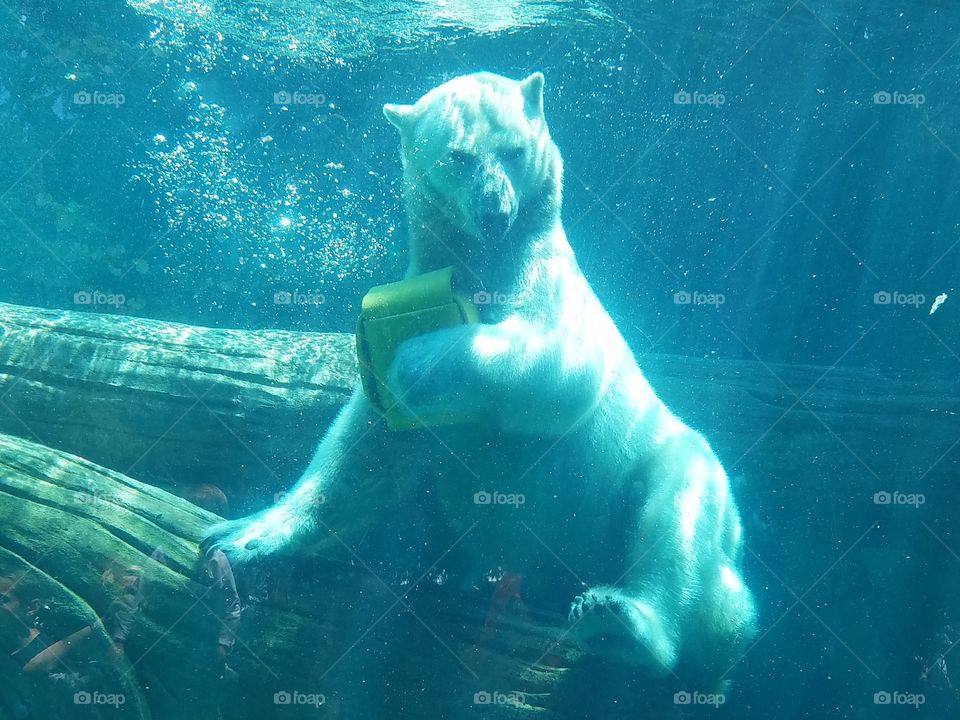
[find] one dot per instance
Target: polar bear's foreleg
(508, 373)
(347, 485)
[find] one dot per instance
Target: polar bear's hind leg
(609, 622)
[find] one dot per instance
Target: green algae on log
(64, 521)
(169, 403)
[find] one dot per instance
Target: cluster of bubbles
(266, 31)
(255, 183)
(249, 206)
(337, 32)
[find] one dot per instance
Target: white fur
(620, 495)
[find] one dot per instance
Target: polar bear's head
(482, 174)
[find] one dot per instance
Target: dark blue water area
(783, 190)
(773, 182)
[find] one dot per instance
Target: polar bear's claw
(232, 538)
(606, 621)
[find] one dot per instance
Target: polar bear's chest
(526, 505)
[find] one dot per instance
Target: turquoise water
(768, 190)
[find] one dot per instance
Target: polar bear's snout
(495, 201)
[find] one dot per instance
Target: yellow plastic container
(396, 312)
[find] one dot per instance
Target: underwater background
(764, 195)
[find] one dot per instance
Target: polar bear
(578, 478)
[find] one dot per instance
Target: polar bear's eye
(513, 153)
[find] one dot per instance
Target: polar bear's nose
(495, 200)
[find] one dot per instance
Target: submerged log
(66, 522)
(807, 449)
(172, 404)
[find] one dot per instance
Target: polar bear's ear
(400, 116)
(532, 89)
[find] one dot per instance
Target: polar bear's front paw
(407, 376)
(426, 374)
(608, 622)
(239, 541)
